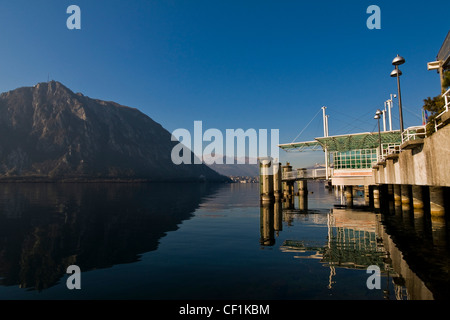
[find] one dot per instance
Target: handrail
(414, 133)
(305, 174)
(446, 96)
(387, 149)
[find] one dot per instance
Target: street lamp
(377, 117)
(390, 104)
(396, 73)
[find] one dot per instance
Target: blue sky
(231, 64)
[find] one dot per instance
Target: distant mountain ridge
(235, 169)
(49, 132)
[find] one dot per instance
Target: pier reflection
(410, 248)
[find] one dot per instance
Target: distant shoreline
(101, 180)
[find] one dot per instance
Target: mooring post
(302, 183)
(277, 181)
(285, 169)
(266, 179)
(303, 194)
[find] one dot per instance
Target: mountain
(48, 132)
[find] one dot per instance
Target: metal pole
(325, 134)
(327, 160)
(324, 122)
(389, 111)
(399, 99)
(379, 138)
(384, 119)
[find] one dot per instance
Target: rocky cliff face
(49, 132)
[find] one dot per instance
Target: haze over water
(201, 241)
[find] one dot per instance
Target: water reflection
(409, 248)
(46, 227)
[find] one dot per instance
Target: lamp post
(396, 73)
(377, 117)
(390, 104)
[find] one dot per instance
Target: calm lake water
(200, 241)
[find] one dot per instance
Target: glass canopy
(345, 143)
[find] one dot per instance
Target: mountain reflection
(46, 227)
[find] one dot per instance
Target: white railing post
(446, 97)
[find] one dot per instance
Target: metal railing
(437, 122)
(387, 149)
(292, 175)
(414, 133)
(391, 148)
(306, 174)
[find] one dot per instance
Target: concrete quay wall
(426, 164)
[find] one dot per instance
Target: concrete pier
(367, 195)
(303, 195)
(289, 203)
(437, 207)
(289, 192)
(397, 195)
(376, 197)
(302, 187)
(405, 197)
(287, 186)
(277, 183)
(348, 191)
(419, 173)
(423, 162)
(417, 198)
(387, 199)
